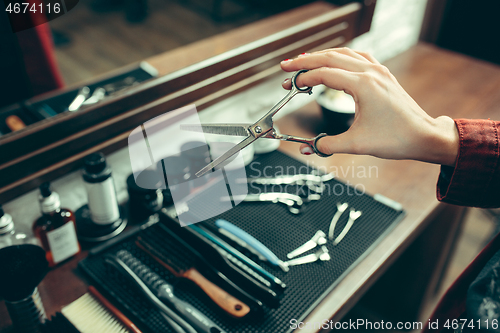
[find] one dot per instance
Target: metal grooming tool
(178, 324)
(263, 128)
(242, 243)
(179, 267)
(353, 216)
(82, 95)
(98, 95)
(188, 254)
(253, 242)
(340, 210)
(114, 87)
(294, 202)
(313, 181)
(259, 278)
(322, 254)
(312, 197)
(319, 238)
(165, 292)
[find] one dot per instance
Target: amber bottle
(55, 228)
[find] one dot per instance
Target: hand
(388, 123)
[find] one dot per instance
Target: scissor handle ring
(315, 147)
(294, 83)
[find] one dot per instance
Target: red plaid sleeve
(475, 179)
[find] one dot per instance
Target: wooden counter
(442, 83)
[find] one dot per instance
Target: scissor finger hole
(294, 81)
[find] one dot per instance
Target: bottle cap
(49, 201)
(6, 223)
(45, 190)
(95, 163)
(95, 168)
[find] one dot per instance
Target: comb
(167, 241)
(182, 265)
(94, 313)
(165, 292)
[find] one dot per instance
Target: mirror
(201, 73)
(99, 37)
(100, 44)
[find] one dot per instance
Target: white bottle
(101, 192)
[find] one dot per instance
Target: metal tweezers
(263, 128)
(313, 181)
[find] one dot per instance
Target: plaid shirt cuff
(475, 179)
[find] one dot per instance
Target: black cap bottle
(55, 228)
(101, 192)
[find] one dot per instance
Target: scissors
(263, 128)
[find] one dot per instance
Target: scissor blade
(225, 129)
(219, 160)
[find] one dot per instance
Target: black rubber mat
(282, 232)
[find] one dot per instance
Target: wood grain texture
(222, 298)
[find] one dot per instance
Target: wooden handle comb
(227, 302)
(222, 298)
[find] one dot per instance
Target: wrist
(445, 141)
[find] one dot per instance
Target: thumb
(336, 144)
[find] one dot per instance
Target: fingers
(332, 77)
(343, 58)
(287, 84)
(357, 54)
(346, 62)
(335, 68)
(338, 144)
(348, 52)
(334, 144)
(368, 57)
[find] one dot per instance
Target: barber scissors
(263, 128)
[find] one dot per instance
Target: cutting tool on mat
(263, 128)
(253, 242)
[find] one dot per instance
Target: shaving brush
(23, 267)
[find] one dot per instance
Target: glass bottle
(9, 235)
(55, 228)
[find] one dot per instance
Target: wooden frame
(56, 147)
